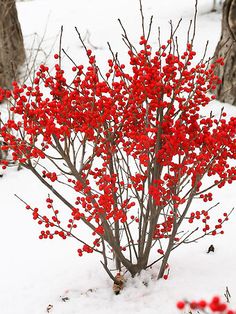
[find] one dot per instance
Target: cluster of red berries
(214, 306)
(128, 144)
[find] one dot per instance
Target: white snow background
(36, 273)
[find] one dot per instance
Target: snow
(34, 273)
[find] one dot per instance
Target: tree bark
(226, 48)
(12, 53)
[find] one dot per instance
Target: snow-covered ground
(34, 273)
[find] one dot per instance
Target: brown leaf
(118, 284)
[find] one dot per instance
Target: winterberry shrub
(127, 152)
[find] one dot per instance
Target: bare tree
(12, 53)
(226, 48)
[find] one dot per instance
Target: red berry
(180, 305)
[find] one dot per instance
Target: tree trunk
(12, 53)
(213, 6)
(226, 48)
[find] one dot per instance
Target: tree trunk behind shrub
(226, 92)
(12, 53)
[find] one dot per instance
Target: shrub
(126, 152)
